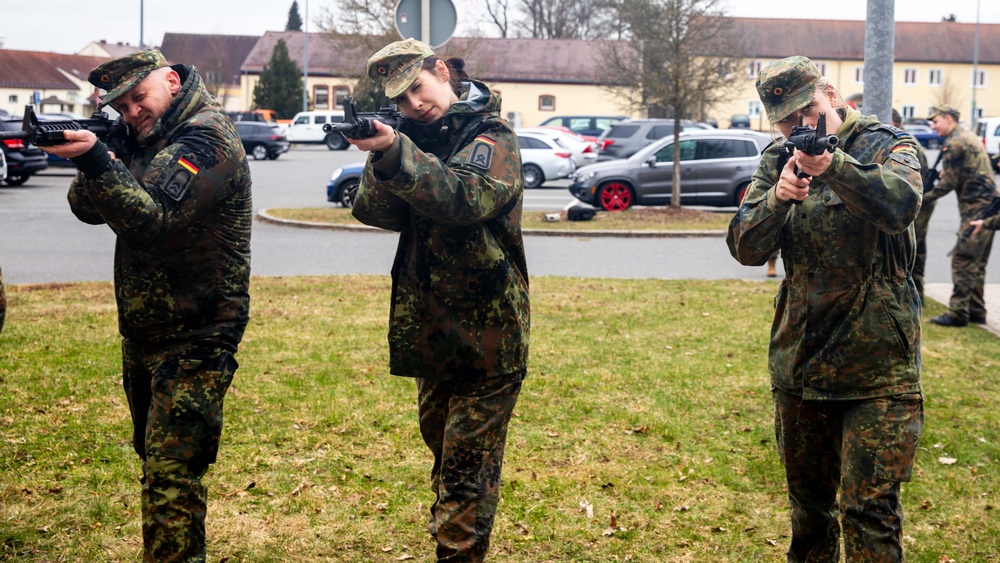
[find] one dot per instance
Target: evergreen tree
(294, 21)
(280, 84)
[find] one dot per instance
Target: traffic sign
(430, 21)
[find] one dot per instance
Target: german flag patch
(482, 152)
(188, 165)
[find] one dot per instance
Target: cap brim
(792, 104)
(403, 78)
(122, 88)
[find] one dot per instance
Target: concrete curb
(263, 215)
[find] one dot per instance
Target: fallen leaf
(769, 541)
(947, 460)
(404, 557)
(945, 559)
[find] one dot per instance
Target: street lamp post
(975, 70)
(305, 64)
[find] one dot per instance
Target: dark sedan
(23, 160)
(925, 136)
(262, 140)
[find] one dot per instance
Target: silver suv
(624, 138)
(716, 168)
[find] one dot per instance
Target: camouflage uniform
(180, 206)
(459, 314)
(965, 169)
(844, 356)
(920, 226)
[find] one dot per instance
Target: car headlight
(583, 178)
(336, 174)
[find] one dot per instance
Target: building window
(753, 69)
(980, 113)
(979, 79)
(340, 94)
(546, 103)
(909, 111)
(753, 109)
(859, 75)
(910, 76)
(934, 76)
(12, 98)
(822, 69)
(321, 97)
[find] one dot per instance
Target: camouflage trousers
(968, 275)
(862, 448)
(175, 399)
(465, 426)
(920, 230)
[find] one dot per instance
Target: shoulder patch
(180, 179)
(482, 152)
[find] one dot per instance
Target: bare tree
(562, 19)
(950, 94)
(497, 11)
(677, 58)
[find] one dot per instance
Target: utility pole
(305, 65)
(975, 72)
(142, 17)
(880, 49)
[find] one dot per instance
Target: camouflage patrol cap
(119, 75)
(397, 65)
(944, 110)
(787, 85)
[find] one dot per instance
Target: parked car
(343, 184)
(592, 125)
(543, 158)
(739, 121)
(262, 140)
(23, 160)
(716, 168)
(307, 128)
(3, 167)
(988, 129)
(925, 136)
(583, 152)
(625, 138)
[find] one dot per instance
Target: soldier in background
(844, 354)
(176, 192)
(965, 169)
(450, 183)
(923, 219)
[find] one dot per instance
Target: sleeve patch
(178, 183)
(482, 152)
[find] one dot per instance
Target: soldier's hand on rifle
(814, 165)
(977, 226)
(79, 142)
(381, 141)
(790, 187)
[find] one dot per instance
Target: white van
(988, 129)
(307, 127)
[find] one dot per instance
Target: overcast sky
(66, 26)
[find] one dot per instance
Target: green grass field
(643, 433)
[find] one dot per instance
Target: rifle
(809, 140)
(931, 175)
(46, 133)
(361, 125)
(992, 209)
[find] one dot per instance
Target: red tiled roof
(36, 69)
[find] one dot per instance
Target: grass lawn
(632, 219)
(643, 433)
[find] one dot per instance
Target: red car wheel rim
(615, 197)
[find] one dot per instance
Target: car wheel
(259, 152)
(17, 179)
(533, 176)
(933, 144)
(614, 196)
(741, 192)
(336, 142)
(347, 193)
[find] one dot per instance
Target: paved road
(41, 241)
